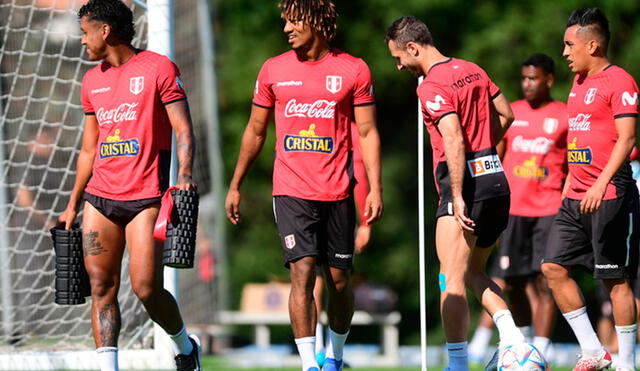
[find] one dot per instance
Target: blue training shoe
(331, 364)
(313, 369)
(320, 358)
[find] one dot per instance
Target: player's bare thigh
(145, 253)
(102, 242)
(453, 246)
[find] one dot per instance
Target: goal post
(41, 67)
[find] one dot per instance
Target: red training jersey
(134, 143)
(313, 104)
(459, 87)
(535, 159)
(594, 103)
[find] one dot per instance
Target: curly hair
(112, 12)
(319, 14)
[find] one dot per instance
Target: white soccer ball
(521, 357)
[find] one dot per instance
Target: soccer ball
(521, 357)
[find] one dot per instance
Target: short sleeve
(624, 98)
(87, 107)
(263, 94)
(437, 101)
(494, 90)
(168, 81)
(363, 92)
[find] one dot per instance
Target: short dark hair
(320, 15)
(594, 20)
(406, 29)
(542, 61)
(112, 12)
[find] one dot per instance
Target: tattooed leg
(90, 243)
(109, 324)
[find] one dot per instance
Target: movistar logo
(308, 141)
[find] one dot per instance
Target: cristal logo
(580, 122)
(539, 145)
(320, 109)
(124, 112)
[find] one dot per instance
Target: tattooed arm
(180, 119)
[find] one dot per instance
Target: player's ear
(412, 49)
(592, 46)
(550, 80)
(105, 30)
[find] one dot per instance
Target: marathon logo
(117, 147)
(578, 156)
(469, 79)
(530, 170)
(308, 141)
(484, 165)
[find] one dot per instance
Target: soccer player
(131, 100)
(466, 115)
(597, 224)
(316, 93)
(534, 159)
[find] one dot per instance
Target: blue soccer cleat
(320, 358)
(313, 369)
(331, 364)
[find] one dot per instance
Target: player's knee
(553, 271)
(103, 287)
(144, 290)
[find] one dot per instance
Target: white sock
(480, 342)
(581, 326)
(509, 333)
(336, 343)
(181, 343)
(627, 345)
(542, 344)
(108, 358)
(306, 349)
(319, 338)
(458, 356)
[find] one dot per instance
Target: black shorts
(121, 212)
(521, 247)
(323, 229)
(605, 243)
(491, 217)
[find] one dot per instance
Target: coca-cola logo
(320, 109)
(580, 122)
(539, 145)
(124, 112)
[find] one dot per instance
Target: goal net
(41, 67)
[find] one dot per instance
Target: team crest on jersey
(590, 96)
(550, 125)
(578, 156)
(290, 241)
(136, 84)
(115, 146)
(530, 170)
(308, 141)
(334, 83)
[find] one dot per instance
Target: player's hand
(67, 218)
(460, 213)
(592, 198)
(185, 182)
(232, 205)
(363, 235)
(373, 207)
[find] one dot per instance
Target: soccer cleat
(493, 363)
(331, 364)
(320, 358)
(191, 361)
(594, 363)
(313, 369)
